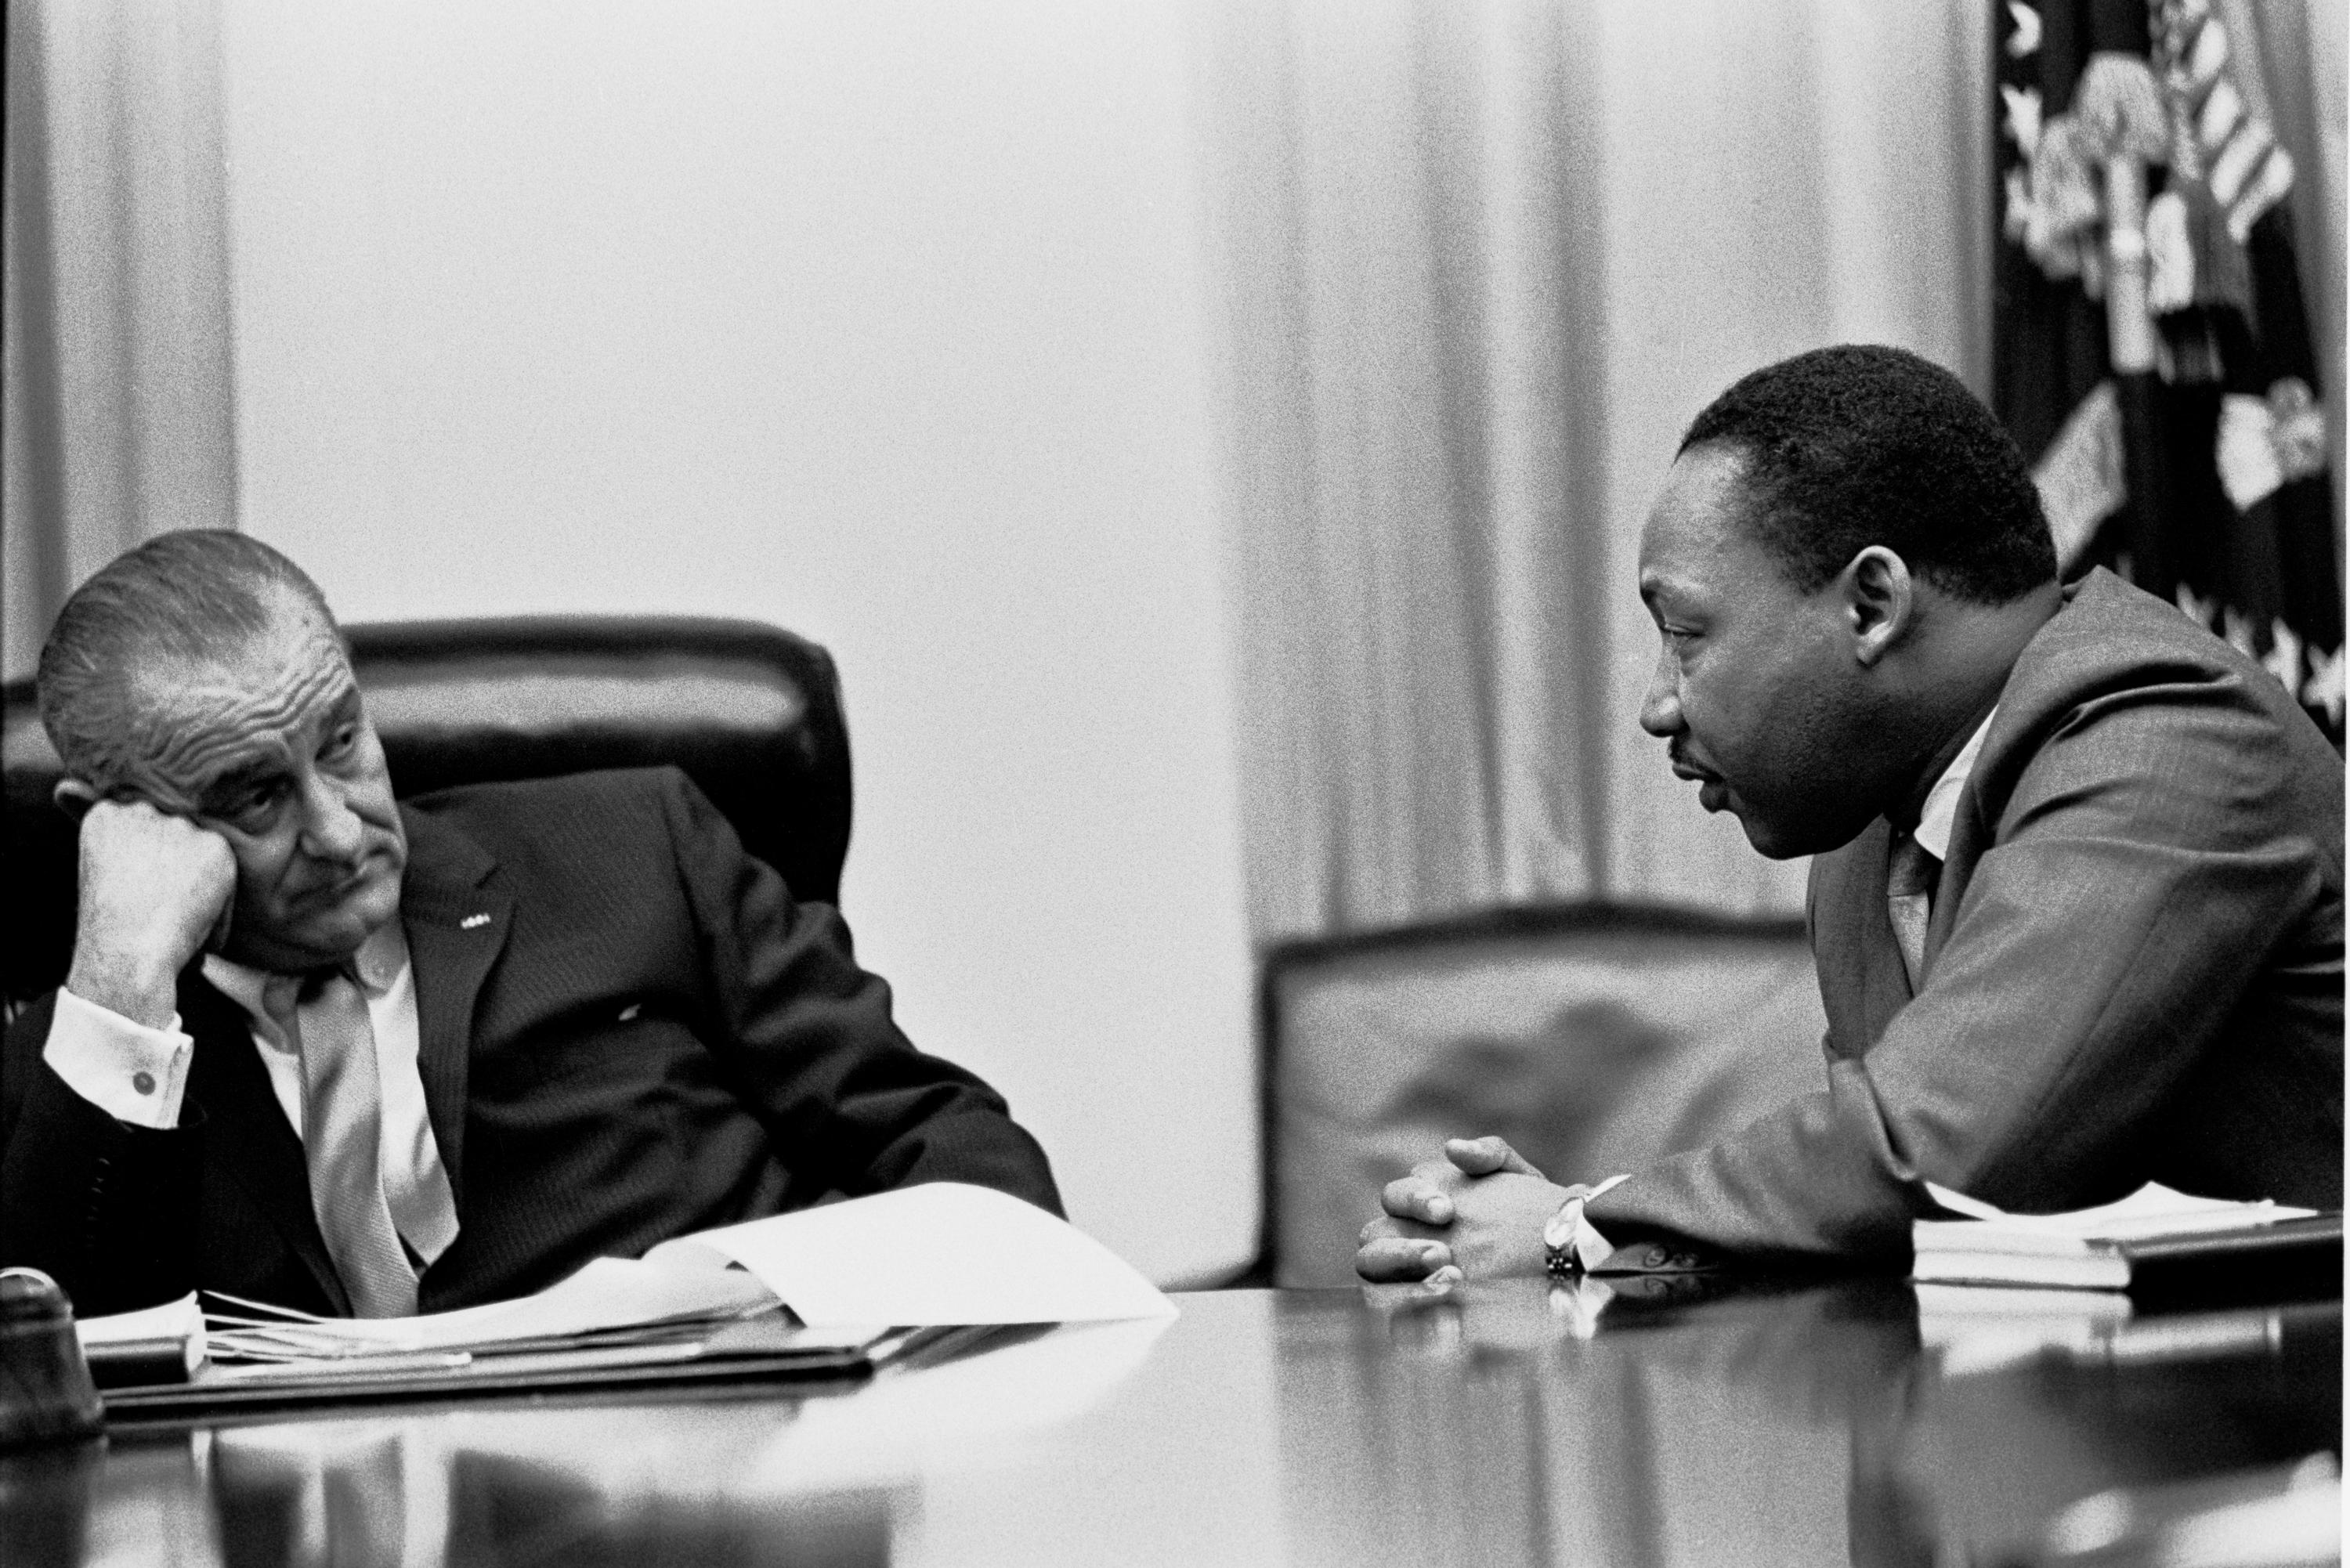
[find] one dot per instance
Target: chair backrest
(751, 713)
(1595, 1037)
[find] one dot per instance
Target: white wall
(881, 322)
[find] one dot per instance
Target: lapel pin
(470, 921)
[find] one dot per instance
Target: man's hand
(154, 888)
(1479, 1211)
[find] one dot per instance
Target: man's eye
(341, 741)
(249, 806)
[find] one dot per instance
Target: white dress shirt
(140, 1076)
(1941, 807)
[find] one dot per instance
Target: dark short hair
(1861, 446)
(184, 599)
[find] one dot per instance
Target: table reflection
(592, 1487)
(1666, 1422)
(409, 1498)
(1706, 1419)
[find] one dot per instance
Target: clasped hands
(1477, 1213)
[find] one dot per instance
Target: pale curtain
(1482, 260)
(118, 400)
(2296, 51)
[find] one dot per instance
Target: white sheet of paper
(2152, 1211)
(942, 1253)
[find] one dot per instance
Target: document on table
(942, 1253)
(2152, 1211)
(611, 1298)
(2154, 1238)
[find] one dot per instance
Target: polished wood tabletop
(1826, 1422)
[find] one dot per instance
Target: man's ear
(74, 798)
(1880, 603)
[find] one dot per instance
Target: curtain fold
(1393, 246)
(116, 391)
(1480, 262)
(2303, 50)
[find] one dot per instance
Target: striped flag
(2150, 346)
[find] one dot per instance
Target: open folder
(832, 1292)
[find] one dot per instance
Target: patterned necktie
(342, 1134)
(1910, 874)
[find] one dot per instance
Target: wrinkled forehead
(298, 642)
(255, 689)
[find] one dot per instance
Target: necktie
(1910, 874)
(342, 1136)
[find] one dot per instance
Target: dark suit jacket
(646, 1036)
(2133, 971)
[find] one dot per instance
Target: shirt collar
(1940, 811)
(377, 964)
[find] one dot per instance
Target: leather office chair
(753, 714)
(1596, 1038)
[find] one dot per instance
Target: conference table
(1862, 1421)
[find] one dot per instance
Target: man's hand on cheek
(154, 889)
(1480, 1211)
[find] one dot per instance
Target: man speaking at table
(355, 1057)
(2076, 908)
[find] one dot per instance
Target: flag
(2151, 350)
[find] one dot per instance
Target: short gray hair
(194, 596)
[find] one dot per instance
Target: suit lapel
(456, 927)
(246, 1132)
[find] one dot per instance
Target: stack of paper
(837, 1290)
(2107, 1248)
(609, 1302)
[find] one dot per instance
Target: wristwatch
(1571, 1246)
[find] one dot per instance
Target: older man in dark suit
(354, 1056)
(2076, 904)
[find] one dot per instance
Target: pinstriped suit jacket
(2133, 972)
(645, 1036)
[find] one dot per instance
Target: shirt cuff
(1591, 1246)
(132, 1073)
(1572, 1244)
